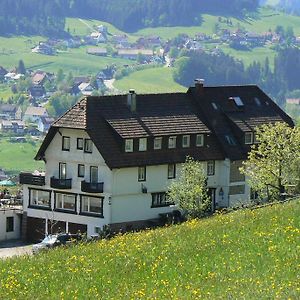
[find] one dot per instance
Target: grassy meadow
(17, 157)
(156, 80)
(247, 254)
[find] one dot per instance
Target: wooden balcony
(29, 178)
(62, 184)
(92, 187)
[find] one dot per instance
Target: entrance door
(212, 195)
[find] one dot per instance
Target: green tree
(274, 162)
(21, 67)
(189, 192)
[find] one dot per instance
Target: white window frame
(66, 143)
(143, 144)
(88, 146)
(142, 173)
(248, 138)
(186, 141)
(129, 145)
(211, 168)
(172, 142)
(157, 143)
(201, 137)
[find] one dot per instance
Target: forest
(46, 17)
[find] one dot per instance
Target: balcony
(62, 184)
(29, 178)
(92, 187)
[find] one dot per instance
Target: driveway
(14, 248)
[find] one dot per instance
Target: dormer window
(142, 144)
(199, 140)
(172, 142)
(129, 145)
(185, 141)
(157, 143)
(248, 138)
(66, 143)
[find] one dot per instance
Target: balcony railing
(29, 178)
(92, 187)
(62, 184)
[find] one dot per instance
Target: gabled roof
(35, 111)
(210, 111)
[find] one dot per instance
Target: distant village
(35, 120)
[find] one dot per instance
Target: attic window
(248, 138)
(238, 101)
(157, 143)
(257, 101)
(129, 145)
(172, 142)
(230, 140)
(199, 140)
(214, 105)
(142, 144)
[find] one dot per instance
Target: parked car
(54, 240)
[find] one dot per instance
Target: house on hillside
(40, 77)
(134, 53)
(110, 159)
(97, 51)
(37, 91)
(44, 124)
(43, 48)
(86, 88)
(16, 126)
(34, 113)
(10, 111)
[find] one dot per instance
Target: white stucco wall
(16, 233)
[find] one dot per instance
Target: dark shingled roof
(109, 121)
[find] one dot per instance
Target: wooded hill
(47, 17)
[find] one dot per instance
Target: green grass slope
(242, 255)
(156, 80)
(16, 157)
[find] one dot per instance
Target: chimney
(199, 85)
(131, 100)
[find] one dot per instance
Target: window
(160, 200)
(79, 143)
(185, 141)
(39, 198)
(129, 145)
(199, 140)
(142, 174)
(230, 140)
(9, 224)
(257, 101)
(214, 105)
(66, 143)
(157, 143)
(172, 142)
(142, 144)
(65, 202)
(248, 138)
(81, 170)
(93, 174)
(237, 190)
(210, 168)
(91, 205)
(62, 171)
(88, 146)
(238, 101)
(235, 174)
(171, 171)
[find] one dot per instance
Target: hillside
(248, 254)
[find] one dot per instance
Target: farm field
(247, 254)
(76, 61)
(156, 80)
(17, 157)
